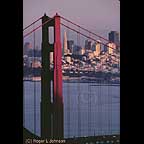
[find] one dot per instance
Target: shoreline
(97, 82)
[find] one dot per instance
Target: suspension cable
(79, 104)
(34, 89)
(68, 95)
(32, 23)
(100, 102)
(37, 27)
(89, 98)
(24, 99)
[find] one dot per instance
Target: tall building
(65, 43)
(70, 44)
(114, 37)
(82, 51)
(93, 48)
(111, 48)
(88, 45)
(97, 48)
(76, 50)
(105, 48)
(27, 47)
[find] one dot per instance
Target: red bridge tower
(51, 95)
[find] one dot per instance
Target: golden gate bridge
(52, 105)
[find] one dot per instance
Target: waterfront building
(111, 48)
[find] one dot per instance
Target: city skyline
(71, 71)
(68, 42)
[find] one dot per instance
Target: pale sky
(99, 16)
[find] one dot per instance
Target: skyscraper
(98, 48)
(114, 37)
(65, 43)
(70, 44)
(105, 47)
(111, 48)
(88, 45)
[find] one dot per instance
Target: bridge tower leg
(58, 98)
(51, 101)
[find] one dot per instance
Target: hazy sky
(100, 16)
